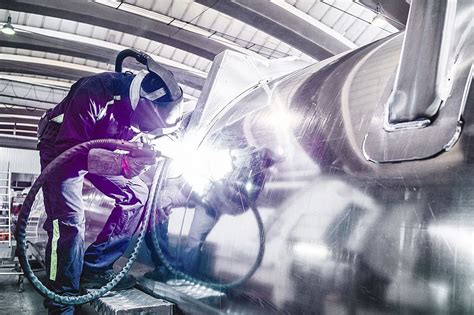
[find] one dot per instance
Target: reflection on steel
(343, 234)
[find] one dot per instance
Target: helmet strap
(135, 88)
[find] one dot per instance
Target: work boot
(97, 280)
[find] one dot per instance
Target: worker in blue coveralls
(107, 105)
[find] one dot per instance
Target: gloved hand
(105, 162)
(164, 213)
(134, 166)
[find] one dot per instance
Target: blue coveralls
(96, 107)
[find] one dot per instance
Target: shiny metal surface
(343, 235)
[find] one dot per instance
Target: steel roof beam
(11, 141)
(17, 129)
(16, 120)
(18, 111)
(42, 69)
(315, 39)
(95, 14)
(25, 102)
(30, 95)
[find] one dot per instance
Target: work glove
(106, 162)
(163, 213)
(134, 166)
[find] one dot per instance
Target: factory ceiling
(57, 42)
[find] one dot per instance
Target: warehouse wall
(21, 161)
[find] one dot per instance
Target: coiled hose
(60, 161)
(214, 285)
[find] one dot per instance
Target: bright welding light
(200, 167)
(203, 167)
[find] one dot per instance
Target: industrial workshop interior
(236, 157)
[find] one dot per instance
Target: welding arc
(214, 285)
(60, 161)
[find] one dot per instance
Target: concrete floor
(28, 302)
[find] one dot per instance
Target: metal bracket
(420, 112)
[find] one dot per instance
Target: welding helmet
(156, 100)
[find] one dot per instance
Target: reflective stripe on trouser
(53, 269)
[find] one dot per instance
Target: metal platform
(188, 297)
(132, 302)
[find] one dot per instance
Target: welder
(107, 105)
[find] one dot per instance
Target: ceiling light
(379, 21)
(379, 18)
(8, 28)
